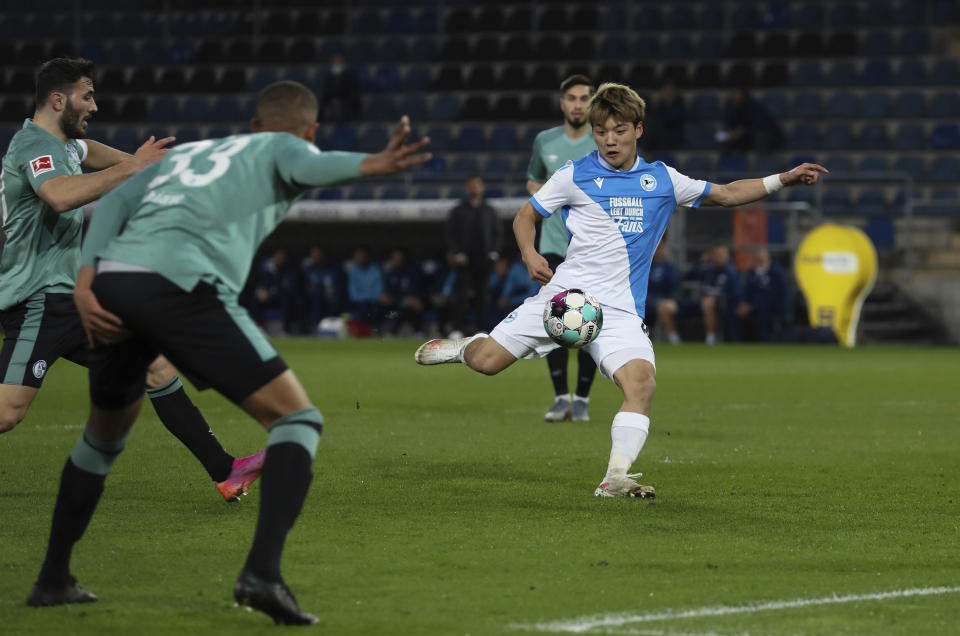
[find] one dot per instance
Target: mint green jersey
(39, 248)
(551, 149)
(201, 212)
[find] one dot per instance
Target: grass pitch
(442, 503)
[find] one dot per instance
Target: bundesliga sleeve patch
(41, 164)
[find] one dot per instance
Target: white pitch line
(589, 623)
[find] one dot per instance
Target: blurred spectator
(662, 284)
(322, 284)
(401, 299)
(364, 287)
(719, 296)
(764, 310)
(341, 92)
(668, 120)
(516, 288)
(748, 125)
(277, 292)
(473, 234)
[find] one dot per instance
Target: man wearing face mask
(341, 92)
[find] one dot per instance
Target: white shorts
(622, 337)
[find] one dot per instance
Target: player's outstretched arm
(525, 231)
(398, 155)
(748, 190)
(66, 193)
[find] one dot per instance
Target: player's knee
(709, 303)
(482, 361)
(160, 372)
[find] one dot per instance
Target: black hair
(576, 80)
(58, 74)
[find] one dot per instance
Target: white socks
(629, 432)
(467, 341)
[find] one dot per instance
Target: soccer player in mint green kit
(551, 149)
(164, 261)
(43, 188)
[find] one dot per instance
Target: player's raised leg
(14, 402)
(631, 424)
(479, 352)
(184, 420)
(283, 407)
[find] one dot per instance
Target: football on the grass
(573, 318)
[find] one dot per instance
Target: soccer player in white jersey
(616, 207)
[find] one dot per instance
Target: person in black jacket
(474, 234)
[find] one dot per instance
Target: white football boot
(441, 350)
(560, 411)
(624, 486)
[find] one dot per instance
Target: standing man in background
(551, 149)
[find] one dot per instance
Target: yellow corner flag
(836, 268)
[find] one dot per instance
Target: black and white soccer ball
(573, 318)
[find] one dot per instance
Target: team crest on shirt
(552, 158)
(39, 368)
(648, 182)
(513, 316)
(72, 151)
(41, 164)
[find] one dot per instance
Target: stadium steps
(890, 317)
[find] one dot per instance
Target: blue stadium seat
(126, 139)
(844, 16)
(843, 104)
(807, 73)
(909, 104)
(195, 109)
(381, 108)
(393, 193)
(945, 72)
(911, 72)
(909, 137)
(186, 134)
(428, 21)
(808, 16)
(946, 12)
(387, 78)
(463, 166)
(446, 107)
(746, 16)
(470, 138)
(876, 73)
(801, 195)
(945, 169)
(679, 16)
(120, 52)
(768, 164)
(944, 104)
(775, 102)
(908, 14)
(841, 73)
(733, 164)
(708, 46)
(874, 105)
(415, 106)
(699, 166)
(839, 165)
(877, 43)
(874, 137)
(418, 78)
(499, 167)
(424, 49)
(612, 47)
(164, 109)
(328, 194)
(217, 132)
(342, 137)
(400, 21)
(426, 192)
(226, 109)
(911, 165)
(261, 77)
(432, 169)
(360, 192)
(838, 136)
(943, 202)
(806, 104)
(836, 202)
(712, 17)
(881, 232)
(945, 136)
(90, 50)
(915, 43)
(872, 202)
(803, 136)
(441, 137)
(873, 164)
(503, 139)
(373, 138)
(676, 46)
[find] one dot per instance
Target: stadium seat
(839, 165)
(503, 139)
(423, 192)
(706, 75)
(446, 107)
(342, 137)
(872, 202)
(943, 202)
(775, 44)
(842, 104)
(699, 167)
(676, 46)
(381, 108)
(134, 109)
(463, 167)
(261, 77)
(838, 136)
(746, 16)
(944, 104)
(360, 192)
(769, 164)
(841, 73)
(836, 202)
(541, 108)
(807, 104)
(612, 47)
(945, 72)
(910, 165)
(945, 137)
(844, 15)
(946, 12)
(911, 72)
(945, 169)
(195, 109)
(709, 46)
(387, 78)
(705, 105)
(881, 232)
(876, 73)
(874, 105)
(803, 136)
(807, 73)
(470, 138)
(908, 14)
(233, 80)
(914, 43)
(373, 138)
(873, 137)
(808, 44)
(448, 78)
(678, 16)
(441, 137)
(808, 16)
(909, 104)
(734, 165)
(186, 134)
(740, 74)
(877, 43)
(741, 44)
(801, 195)
(498, 167)
(425, 49)
(841, 44)
(164, 109)
(872, 164)
(475, 108)
(776, 103)
(909, 137)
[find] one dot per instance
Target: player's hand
(152, 150)
(398, 155)
(805, 173)
(538, 268)
(98, 323)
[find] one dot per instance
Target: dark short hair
(576, 80)
(286, 104)
(58, 74)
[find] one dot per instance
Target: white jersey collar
(603, 162)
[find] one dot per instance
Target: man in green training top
(551, 149)
(43, 187)
(162, 266)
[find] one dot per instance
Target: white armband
(772, 183)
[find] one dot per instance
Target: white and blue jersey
(615, 219)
